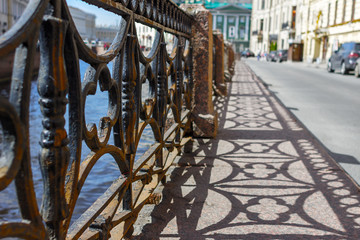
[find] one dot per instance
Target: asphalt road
(328, 104)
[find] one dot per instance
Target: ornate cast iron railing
(48, 25)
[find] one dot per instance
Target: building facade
(146, 35)
(105, 33)
(273, 25)
(319, 26)
(234, 22)
(84, 22)
(326, 25)
(10, 12)
(231, 17)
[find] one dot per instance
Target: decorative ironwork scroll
(48, 25)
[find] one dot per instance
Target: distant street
(328, 104)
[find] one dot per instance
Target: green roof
(212, 5)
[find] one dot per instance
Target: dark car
(281, 55)
(345, 58)
(247, 53)
(357, 68)
(271, 56)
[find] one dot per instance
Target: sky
(103, 18)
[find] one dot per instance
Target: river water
(102, 175)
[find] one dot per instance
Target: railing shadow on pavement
(264, 177)
(344, 158)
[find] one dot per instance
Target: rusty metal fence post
(229, 61)
(205, 118)
(219, 64)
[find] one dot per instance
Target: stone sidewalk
(263, 177)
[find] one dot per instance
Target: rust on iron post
(229, 61)
(54, 156)
(219, 79)
(205, 118)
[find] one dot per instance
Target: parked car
(271, 56)
(345, 58)
(357, 68)
(281, 55)
(247, 53)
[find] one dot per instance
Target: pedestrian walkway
(263, 177)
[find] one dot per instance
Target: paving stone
(263, 177)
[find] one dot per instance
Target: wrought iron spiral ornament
(166, 111)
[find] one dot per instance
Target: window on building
(293, 17)
(336, 8)
(242, 27)
(344, 11)
(231, 20)
(220, 23)
(269, 24)
(262, 4)
(4, 6)
(242, 33)
(265, 25)
(313, 18)
(353, 10)
(15, 9)
(328, 16)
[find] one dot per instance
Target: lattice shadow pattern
(256, 181)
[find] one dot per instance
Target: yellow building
(321, 26)
(326, 25)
